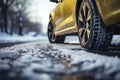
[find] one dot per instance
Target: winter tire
(91, 31)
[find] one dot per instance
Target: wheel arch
(52, 16)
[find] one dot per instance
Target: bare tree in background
(5, 6)
(13, 17)
(21, 7)
(14, 9)
(1, 17)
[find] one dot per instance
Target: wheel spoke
(80, 17)
(88, 33)
(88, 15)
(82, 14)
(53, 37)
(84, 10)
(80, 31)
(87, 25)
(83, 38)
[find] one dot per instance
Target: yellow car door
(67, 7)
(57, 13)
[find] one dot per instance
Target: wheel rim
(84, 21)
(51, 33)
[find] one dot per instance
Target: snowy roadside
(44, 61)
(5, 38)
(9, 40)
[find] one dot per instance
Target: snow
(9, 55)
(36, 58)
(39, 59)
(4, 67)
(116, 39)
(5, 38)
(31, 36)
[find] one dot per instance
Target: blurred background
(24, 17)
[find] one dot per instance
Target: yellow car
(94, 21)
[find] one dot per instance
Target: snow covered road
(44, 61)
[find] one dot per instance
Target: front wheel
(91, 30)
(51, 35)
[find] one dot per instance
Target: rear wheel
(91, 30)
(51, 35)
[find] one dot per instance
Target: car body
(65, 16)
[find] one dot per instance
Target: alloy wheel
(51, 33)
(84, 21)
